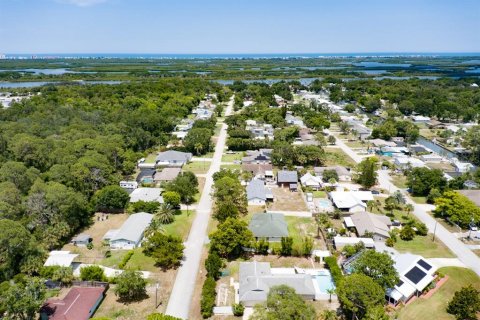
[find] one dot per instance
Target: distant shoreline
(25, 56)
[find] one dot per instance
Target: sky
(239, 26)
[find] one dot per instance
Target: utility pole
(434, 230)
(157, 286)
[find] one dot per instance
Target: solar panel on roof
(424, 265)
(399, 284)
(415, 275)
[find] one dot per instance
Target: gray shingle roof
(287, 176)
(256, 190)
(370, 222)
(268, 225)
(172, 155)
(167, 174)
(133, 228)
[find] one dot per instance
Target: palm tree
(370, 205)
(322, 221)
(409, 208)
(155, 226)
(165, 214)
(330, 291)
(198, 148)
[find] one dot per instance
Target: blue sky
(239, 26)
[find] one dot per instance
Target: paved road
(182, 293)
(464, 254)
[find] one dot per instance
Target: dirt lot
(97, 230)
(286, 200)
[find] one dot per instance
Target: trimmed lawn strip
(230, 157)
(181, 226)
(424, 246)
(197, 166)
(433, 308)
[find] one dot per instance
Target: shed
(81, 240)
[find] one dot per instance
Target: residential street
(182, 293)
(464, 254)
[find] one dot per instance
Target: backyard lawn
(231, 166)
(181, 225)
(198, 167)
(319, 194)
(424, 246)
(230, 157)
(433, 308)
(336, 157)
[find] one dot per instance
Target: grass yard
(206, 155)
(230, 157)
(139, 261)
(151, 158)
(197, 167)
(434, 307)
(231, 166)
(424, 246)
(419, 200)
(336, 157)
(301, 227)
(400, 181)
(181, 226)
(319, 194)
(356, 144)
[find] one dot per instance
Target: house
(81, 240)
(130, 235)
(420, 119)
(256, 279)
(257, 194)
(343, 173)
(129, 184)
(292, 120)
(415, 273)
(259, 131)
(431, 158)
(461, 166)
(172, 158)
(408, 162)
(418, 149)
(260, 156)
(351, 201)
(382, 143)
(311, 181)
(258, 170)
(146, 195)
(473, 195)
(341, 242)
(203, 114)
(377, 225)
(287, 179)
(470, 184)
(269, 226)
(60, 258)
(166, 175)
(80, 303)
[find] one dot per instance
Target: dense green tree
(230, 238)
(172, 198)
(213, 264)
(92, 273)
(209, 294)
(111, 199)
(186, 185)
(377, 265)
(471, 142)
(23, 300)
(465, 304)
(422, 180)
(167, 250)
(359, 293)
(367, 172)
(130, 286)
(457, 208)
(198, 140)
(283, 304)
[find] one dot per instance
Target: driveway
(182, 293)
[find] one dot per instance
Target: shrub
(92, 273)
(262, 246)
(130, 286)
(389, 242)
(422, 229)
(108, 254)
(125, 259)
(161, 316)
(335, 270)
(208, 297)
(213, 264)
(238, 309)
(90, 246)
(407, 233)
(287, 244)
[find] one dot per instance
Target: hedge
(125, 259)
(335, 270)
(208, 297)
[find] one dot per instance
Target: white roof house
(173, 158)
(351, 201)
(415, 273)
(309, 180)
(341, 242)
(130, 235)
(461, 166)
(147, 195)
(421, 119)
(60, 258)
(405, 162)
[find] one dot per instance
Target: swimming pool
(324, 203)
(324, 281)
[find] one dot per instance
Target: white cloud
(82, 3)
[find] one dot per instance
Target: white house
(415, 273)
(309, 180)
(351, 201)
(461, 166)
(129, 184)
(421, 119)
(341, 242)
(173, 158)
(130, 235)
(60, 258)
(147, 195)
(406, 162)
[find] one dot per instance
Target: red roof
(76, 305)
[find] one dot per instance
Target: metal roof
(285, 176)
(133, 228)
(256, 190)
